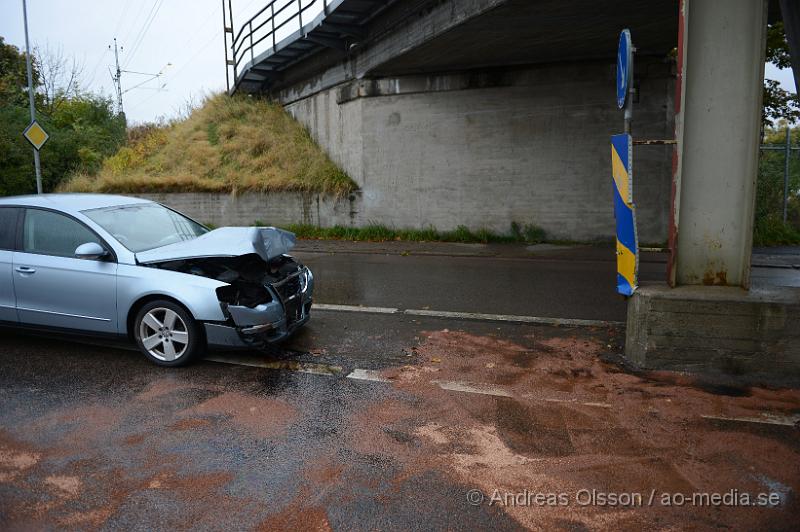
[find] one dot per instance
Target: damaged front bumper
(268, 322)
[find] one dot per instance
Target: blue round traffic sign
(624, 63)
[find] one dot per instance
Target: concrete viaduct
(484, 112)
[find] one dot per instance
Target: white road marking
(470, 315)
(288, 365)
(598, 405)
(768, 419)
(355, 308)
(460, 386)
(513, 318)
(367, 375)
(572, 401)
(468, 387)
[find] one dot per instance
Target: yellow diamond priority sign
(36, 135)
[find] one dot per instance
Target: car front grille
(289, 290)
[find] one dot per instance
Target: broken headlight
(305, 279)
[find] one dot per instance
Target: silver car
(114, 265)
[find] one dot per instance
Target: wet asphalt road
(116, 442)
(555, 285)
(94, 437)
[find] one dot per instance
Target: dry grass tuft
(227, 145)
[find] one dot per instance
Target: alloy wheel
(164, 334)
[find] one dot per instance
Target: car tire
(167, 334)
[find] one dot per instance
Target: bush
(769, 228)
(230, 144)
(82, 132)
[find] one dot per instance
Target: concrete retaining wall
(484, 149)
(271, 208)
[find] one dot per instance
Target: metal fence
(786, 148)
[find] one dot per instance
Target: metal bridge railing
(277, 17)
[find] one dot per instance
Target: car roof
(71, 203)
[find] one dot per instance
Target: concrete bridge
(484, 112)
(474, 112)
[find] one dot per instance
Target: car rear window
(8, 227)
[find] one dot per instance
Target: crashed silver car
(114, 265)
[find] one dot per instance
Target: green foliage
(771, 231)
(13, 75)
(778, 103)
(83, 130)
(777, 46)
(769, 227)
(374, 232)
(528, 233)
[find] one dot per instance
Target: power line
(194, 56)
(142, 35)
(96, 66)
(208, 19)
(207, 44)
(122, 17)
(131, 31)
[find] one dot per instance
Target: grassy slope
(228, 144)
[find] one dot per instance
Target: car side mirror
(90, 251)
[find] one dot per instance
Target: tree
(83, 127)
(14, 76)
(59, 77)
(778, 103)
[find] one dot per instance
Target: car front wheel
(166, 333)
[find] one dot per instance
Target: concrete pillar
(721, 71)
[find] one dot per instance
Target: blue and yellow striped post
(625, 213)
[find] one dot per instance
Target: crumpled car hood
(266, 242)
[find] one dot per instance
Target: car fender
(196, 293)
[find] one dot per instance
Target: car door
(8, 232)
(54, 288)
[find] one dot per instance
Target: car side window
(8, 227)
(51, 233)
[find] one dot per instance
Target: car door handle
(25, 269)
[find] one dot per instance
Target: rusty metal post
(788, 152)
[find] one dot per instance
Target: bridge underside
(522, 32)
(391, 37)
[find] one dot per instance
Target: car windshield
(146, 225)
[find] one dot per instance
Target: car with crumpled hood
(107, 265)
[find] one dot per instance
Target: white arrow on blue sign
(624, 63)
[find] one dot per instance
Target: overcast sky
(152, 33)
(187, 34)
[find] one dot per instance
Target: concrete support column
(721, 68)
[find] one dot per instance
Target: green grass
(374, 232)
(228, 144)
(771, 231)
